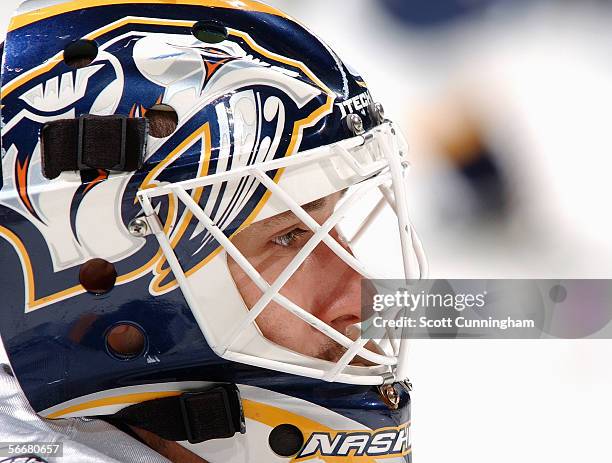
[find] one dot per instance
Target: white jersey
(84, 440)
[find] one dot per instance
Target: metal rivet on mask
(354, 122)
(390, 396)
(138, 227)
(286, 440)
(378, 112)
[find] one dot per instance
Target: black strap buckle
(81, 164)
(214, 413)
(223, 415)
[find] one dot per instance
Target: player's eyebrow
(281, 219)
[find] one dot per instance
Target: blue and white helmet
(125, 276)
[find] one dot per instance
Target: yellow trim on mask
(31, 17)
(268, 415)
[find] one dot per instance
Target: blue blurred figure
(425, 14)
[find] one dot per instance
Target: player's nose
(338, 296)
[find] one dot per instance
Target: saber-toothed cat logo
(236, 103)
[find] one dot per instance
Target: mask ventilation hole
(210, 32)
(286, 440)
(163, 120)
(81, 53)
(98, 276)
(125, 341)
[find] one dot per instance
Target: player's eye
(293, 238)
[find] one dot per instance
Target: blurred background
(507, 106)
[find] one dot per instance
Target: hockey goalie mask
(228, 243)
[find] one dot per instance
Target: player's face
(324, 285)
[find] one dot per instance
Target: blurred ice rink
(531, 82)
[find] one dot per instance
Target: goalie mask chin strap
(115, 143)
(215, 413)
